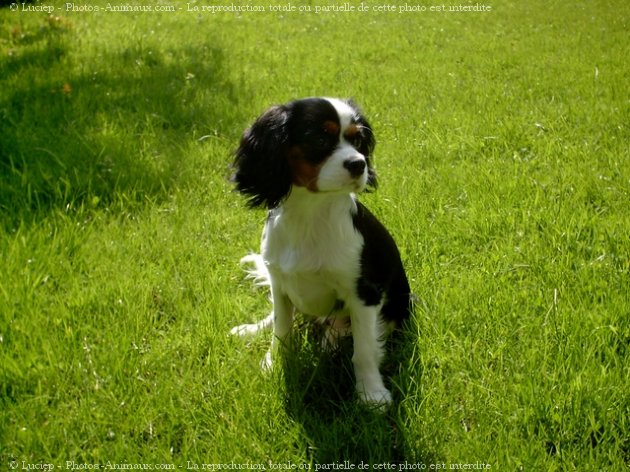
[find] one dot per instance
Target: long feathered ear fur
(262, 171)
(368, 143)
(367, 148)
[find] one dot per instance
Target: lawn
(504, 170)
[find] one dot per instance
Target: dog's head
(321, 144)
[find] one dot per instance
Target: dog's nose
(355, 166)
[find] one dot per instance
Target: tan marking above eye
(351, 131)
(331, 127)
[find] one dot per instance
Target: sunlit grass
(504, 176)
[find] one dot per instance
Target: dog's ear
(262, 171)
(367, 143)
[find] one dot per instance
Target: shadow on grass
(321, 397)
(115, 129)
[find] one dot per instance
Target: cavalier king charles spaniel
(323, 253)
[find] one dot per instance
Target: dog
(323, 253)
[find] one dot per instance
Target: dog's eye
(322, 139)
(356, 140)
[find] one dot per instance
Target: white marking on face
(333, 175)
(346, 112)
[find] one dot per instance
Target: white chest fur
(312, 250)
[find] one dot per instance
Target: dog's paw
(253, 328)
(380, 398)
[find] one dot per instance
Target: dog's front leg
(282, 322)
(368, 353)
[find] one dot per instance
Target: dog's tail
(260, 275)
(257, 271)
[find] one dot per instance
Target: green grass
(504, 176)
